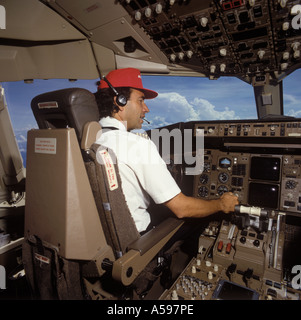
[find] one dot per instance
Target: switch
(228, 248)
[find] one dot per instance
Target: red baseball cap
(127, 77)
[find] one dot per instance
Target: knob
(189, 54)
(204, 21)
(212, 68)
(284, 66)
(158, 8)
(148, 12)
(261, 53)
(256, 243)
(173, 57)
(297, 54)
(138, 15)
(285, 26)
(295, 45)
(223, 52)
(174, 295)
(282, 3)
(181, 55)
(243, 240)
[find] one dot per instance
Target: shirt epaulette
(142, 134)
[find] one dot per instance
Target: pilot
(144, 175)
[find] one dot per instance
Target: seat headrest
(72, 108)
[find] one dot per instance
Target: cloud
(169, 108)
(293, 113)
(207, 111)
(21, 138)
(290, 99)
(292, 105)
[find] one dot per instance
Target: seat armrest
(141, 252)
(151, 238)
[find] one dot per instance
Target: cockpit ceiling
(237, 37)
(248, 39)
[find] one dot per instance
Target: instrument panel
(285, 129)
(248, 254)
(264, 180)
(259, 161)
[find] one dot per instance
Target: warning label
(110, 170)
(45, 145)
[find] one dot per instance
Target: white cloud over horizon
(172, 107)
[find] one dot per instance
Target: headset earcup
(121, 100)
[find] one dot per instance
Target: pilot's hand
(228, 201)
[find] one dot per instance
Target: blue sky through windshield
(180, 99)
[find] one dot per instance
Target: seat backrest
(72, 108)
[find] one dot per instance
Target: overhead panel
(223, 38)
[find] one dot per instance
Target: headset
(121, 100)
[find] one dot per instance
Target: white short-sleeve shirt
(142, 170)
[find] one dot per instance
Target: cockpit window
(183, 99)
(180, 99)
(292, 94)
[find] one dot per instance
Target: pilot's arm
(188, 207)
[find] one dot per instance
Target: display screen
(265, 168)
(227, 290)
(224, 163)
(263, 195)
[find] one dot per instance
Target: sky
(180, 99)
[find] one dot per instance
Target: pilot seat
(80, 239)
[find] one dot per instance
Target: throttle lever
(253, 211)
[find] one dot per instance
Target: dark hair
(105, 100)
